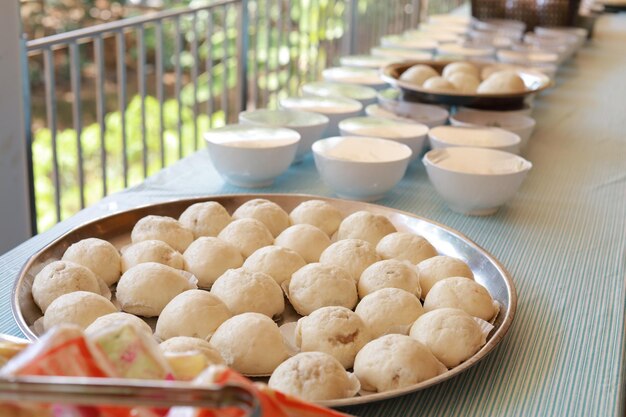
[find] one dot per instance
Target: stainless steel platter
(115, 228)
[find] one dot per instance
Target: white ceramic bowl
(428, 114)
(364, 76)
(251, 157)
(580, 33)
(360, 168)
(477, 137)
(475, 181)
(456, 19)
(397, 41)
(519, 124)
(311, 126)
(459, 29)
(527, 110)
(412, 135)
(456, 50)
(439, 37)
(528, 58)
(365, 61)
(362, 94)
(561, 50)
(335, 108)
(401, 54)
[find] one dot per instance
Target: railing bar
(76, 117)
(100, 108)
(225, 64)
(118, 25)
(290, 64)
(209, 67)
(121, 93)
(194, 77)
(312, 75)
(255, 59)
(177, 87)
(243, 48)
(268, 40)
(415, 14)
(159, 87)
(141, 81)
(51, 109)
(279, 45)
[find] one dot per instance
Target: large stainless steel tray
(116, 227)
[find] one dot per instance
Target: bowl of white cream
(360, 168)
(335, 108)
(362, 94)
(249, 156)
(364, 76)
(475, 181)
(472, 136)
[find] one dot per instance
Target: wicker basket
(532, 12)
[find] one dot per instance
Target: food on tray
(366, 226)
(462, 293)
(305, 239)
(79, 307)
(405, 247)
(100, 256)
(278, 262)
(10, 349)
(464, 83)
(247, 235)
(250, 343)
(418, 74)
(354, 255)
(439, 85)
(317, 285)
(338, 331)
(151, 251)
(205, 219)
(395, 361)
(267, 212)
(390, 273)
(189, 356)
(452, 335)
(245, 291)
(389, 310)
(145, 289)
(163, 228)
(193, 313)
(460, 67)
(118, 319)
(209, 257)
(63, 277)
(314, 376)
(435, 269)
(502, 82)
(319, 214)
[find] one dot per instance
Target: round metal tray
(487, 270)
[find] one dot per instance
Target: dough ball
(460, 67)
(307, 240)
(185, 344)
(193, 313)
(277, 262)
(353, 255)
(405, 247)
(146, 289)
(62, 277)
(389, 273)
(464, 294)
(439, 85)
(205, 219)
(366, 226)
(502, 82)
(313, 376)
(151, 251)
(162, 228)
(418, 74)
(452, 335)
(246, 291)
(464, 83)
(79, 307)
(338, 331)
(389, 310)
(247, 235)
(395, 361)
(250, 343)
(209, 257)
(267, 212)
(317, 213)
(435, 269)
(101, 257)
(118, 319)
(318, 285)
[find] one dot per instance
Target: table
(562, 238)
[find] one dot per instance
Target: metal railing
(114, 103)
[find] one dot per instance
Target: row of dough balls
(464, 78)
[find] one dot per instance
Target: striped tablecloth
(562, 238)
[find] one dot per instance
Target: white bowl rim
(405, 150)
(289, 137)
(346, 105)
(469, 117)
(366, 93)
(525, 164)
(309, 116)
(509, 138)
(418, 129)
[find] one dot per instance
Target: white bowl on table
(362, 94)
(580, 33)
(519, 124)
(311, 126)
(455, 50)
(368, 77)
(249, 156)
(360, 168)
(335, 108)
(412, 135)
(475, 181)
(526, 110)
(389, 101)
(398, 41)
(401, 54)
(471, 136)
(441, 37)
(365, 61)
